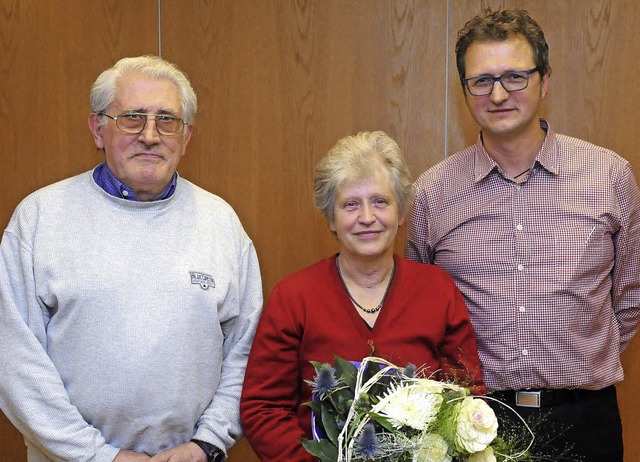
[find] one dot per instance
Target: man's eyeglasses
(134, 123)
(511, 81)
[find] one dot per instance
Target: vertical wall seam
(446, 82)
(160, 28)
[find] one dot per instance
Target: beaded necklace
(375, 309)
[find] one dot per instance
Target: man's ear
(96, 129)
(188, 134)
(545, 84)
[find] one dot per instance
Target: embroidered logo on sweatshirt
(204, 280)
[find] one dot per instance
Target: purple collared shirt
(548, 264)
(105, 178)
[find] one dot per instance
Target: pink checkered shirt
(549, 268)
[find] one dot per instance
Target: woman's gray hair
(103, 90)
(359, 157)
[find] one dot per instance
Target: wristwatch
(213, 453)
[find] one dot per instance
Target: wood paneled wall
(278, 83)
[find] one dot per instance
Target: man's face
(146, 161)
(501, 114)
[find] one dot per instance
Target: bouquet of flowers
(381, 412)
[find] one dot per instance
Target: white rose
(483, 456)
(433, 449)
(476, 425)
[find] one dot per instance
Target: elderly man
(129, 296)
(541, 233)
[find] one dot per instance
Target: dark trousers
(582, 429)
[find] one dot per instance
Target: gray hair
(358, 157)
(103, 90)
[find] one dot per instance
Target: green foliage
(383, 421)
(346, 371)
(329, 422)
(322, 449)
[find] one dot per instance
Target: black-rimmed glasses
(134, 123)
(511, 81)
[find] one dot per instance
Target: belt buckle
(528, 398)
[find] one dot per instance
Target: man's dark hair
(499, 25)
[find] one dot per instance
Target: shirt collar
(547, 157)
(105, 178)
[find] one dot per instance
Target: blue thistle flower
(410, 370)
(367, 446)
(325, 380)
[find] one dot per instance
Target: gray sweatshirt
(124, 324)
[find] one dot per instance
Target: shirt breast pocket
(579, 253)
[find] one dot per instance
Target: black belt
(547, 397)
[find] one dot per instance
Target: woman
(360, 301)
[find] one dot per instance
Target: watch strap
(213, 453)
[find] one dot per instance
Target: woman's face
(366, 217)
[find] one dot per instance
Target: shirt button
(521, 309)
(525, 352)
(519, 227)
(518, 187)
(520, 267)
(125, 193)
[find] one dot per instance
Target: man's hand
(131, 456)
(187, 452)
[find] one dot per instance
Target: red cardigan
(309, 316)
